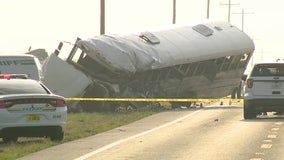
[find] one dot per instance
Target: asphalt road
(211, 133)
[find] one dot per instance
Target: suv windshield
(268, 70)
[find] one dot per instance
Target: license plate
(33, 118)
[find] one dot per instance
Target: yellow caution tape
(158, 99)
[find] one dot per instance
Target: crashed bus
(203, 60)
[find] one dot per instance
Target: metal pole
(229, 9)
(102, 17)
(174, 11)
(243, 17)
(208, 8)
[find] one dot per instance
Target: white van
(21, 64)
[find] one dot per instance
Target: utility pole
(243, 17)
(174, 11)
(208, 8)
(102, 17)
(229, 8)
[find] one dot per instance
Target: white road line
(272, 136)
(266, 146)
(90, 154)
(274, 129)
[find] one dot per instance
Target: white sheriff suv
(29, 109)
(264, 89)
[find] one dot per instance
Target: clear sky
(44, 23)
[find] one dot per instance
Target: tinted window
(19, 86)
(268, 70)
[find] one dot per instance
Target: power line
(229, 8)
(243, 17)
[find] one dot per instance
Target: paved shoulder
(77, 148)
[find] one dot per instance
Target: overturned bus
(204, 60)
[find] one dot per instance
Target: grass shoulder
(79, 125)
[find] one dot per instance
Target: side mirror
(244, 77)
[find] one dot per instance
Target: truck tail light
(249, 83)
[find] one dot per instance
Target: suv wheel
(249, 113)
(57, 136)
